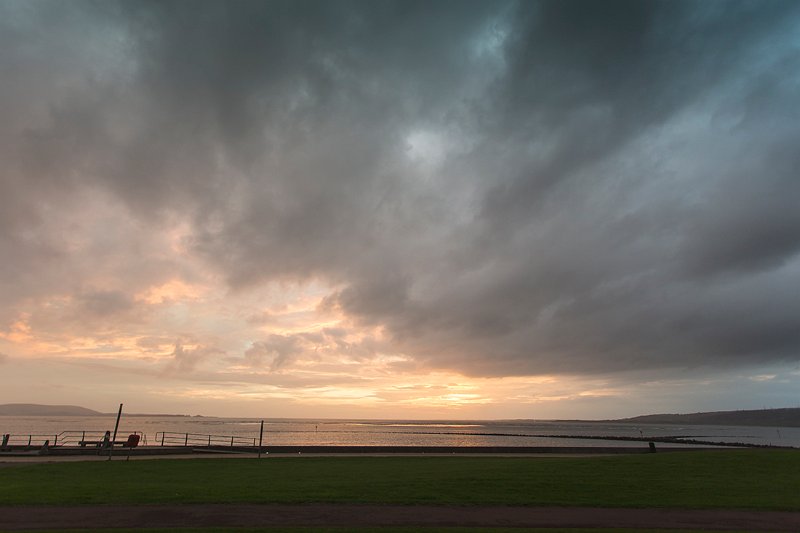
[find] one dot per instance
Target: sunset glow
(440, 210)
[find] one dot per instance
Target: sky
(379, 209)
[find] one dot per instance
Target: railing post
(186, 442)
(209, 441)
(231, 441)
(55, 440)
(162, 438)
(116, 428)
(260, 439)
(29, 440)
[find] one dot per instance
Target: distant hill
(32, 409)
(789, 417)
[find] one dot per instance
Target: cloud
(326, 348)
(517, 189)
(4, 358)
(186, 360)
(105, 303)
(274, 352)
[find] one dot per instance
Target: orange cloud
(19, 331)
(173, 290)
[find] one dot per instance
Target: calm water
(393, 432)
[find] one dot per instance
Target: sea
(199, 430)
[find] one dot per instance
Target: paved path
(144, 516)
(6, 460)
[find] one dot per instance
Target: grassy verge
(755, 479)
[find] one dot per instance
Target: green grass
(755, 479)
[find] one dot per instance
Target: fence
(169, 438)
(64, 438)
(81, 438)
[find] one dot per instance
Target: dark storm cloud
(506, 188)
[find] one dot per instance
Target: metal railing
(170, 438)
(64, 438)
(31, 439)
(82, 438)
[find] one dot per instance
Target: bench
(132, 442)
(84, 443)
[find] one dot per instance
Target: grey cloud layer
(506, 188)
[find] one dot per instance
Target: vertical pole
(260, 439)
(162, 438)
(186, 442)
(116, 427)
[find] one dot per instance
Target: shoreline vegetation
(780, 417)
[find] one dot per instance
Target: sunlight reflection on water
(405, 432)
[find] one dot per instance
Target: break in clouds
(497, 188)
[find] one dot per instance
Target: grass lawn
(754, 479)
